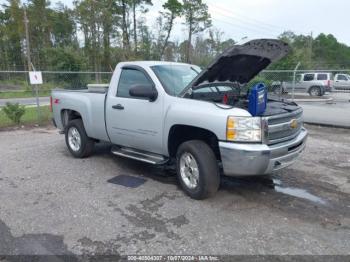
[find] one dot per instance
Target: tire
(86, 145)
(315, 91)
(277, 90)
(208, 176)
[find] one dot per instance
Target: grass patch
(23, 94)
(29, 117)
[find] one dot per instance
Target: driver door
(341, 82)
(133, 121)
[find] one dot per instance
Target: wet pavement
(332, 113)
(52, 203)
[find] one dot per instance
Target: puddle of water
(271, 183)
(300, 193)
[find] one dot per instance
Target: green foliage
(196, 15)
(259, 79)
(322, 52)
(14, 112)
(173, 7)
(66, 60)
(95, 35)
(30, 117)
(172, 10)
(197, 20)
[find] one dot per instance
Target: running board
(139, 155)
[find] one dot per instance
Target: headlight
(243, 129)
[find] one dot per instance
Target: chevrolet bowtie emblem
(293, 123)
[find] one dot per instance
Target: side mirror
(144, 91)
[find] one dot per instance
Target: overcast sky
(268, 18)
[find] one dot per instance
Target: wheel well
(182, 133)
(68, 115)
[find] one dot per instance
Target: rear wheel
(315, 91)
(197, 169)
(277, 90)
(77, 141)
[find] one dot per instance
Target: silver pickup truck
(316, 84)
(341, 82)
(198, 121)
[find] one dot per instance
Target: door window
(129, 78)
(308, 77)
(322, 77)
(342, 77)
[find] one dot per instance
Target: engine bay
(235, 95)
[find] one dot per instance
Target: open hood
(241, 63)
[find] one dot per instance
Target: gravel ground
(52, 203)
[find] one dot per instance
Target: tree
(3, 41)
(87, 14)
(111, 20)
(134, 5)
(97, 34)
(39, 30)
(125, 30)
(170, 52)
(227, 44)
(63, 27)
(146, 40)
(11, 26)
(202, 51)
(173, 9)
(197, 20)
(66, 59)
(328, 52)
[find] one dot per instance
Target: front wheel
(197, 169)
(78, 143)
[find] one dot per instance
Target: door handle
(119, 107)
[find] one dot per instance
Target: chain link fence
(19, 80)
(15, 88)
(300, 81)
(283, 83)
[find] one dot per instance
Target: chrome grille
(283, 127)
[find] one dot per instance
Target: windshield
(175, 78)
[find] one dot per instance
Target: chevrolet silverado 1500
(198, 120)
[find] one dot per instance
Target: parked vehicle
(166, 113)
(341, 82)
(316, 84)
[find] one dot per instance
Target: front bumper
(240, 159)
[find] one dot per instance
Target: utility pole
(26, 21)
(294, 76)
(30, 65)
(310, 48)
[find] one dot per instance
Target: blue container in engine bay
(257, 99)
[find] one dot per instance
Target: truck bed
(89, 103)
